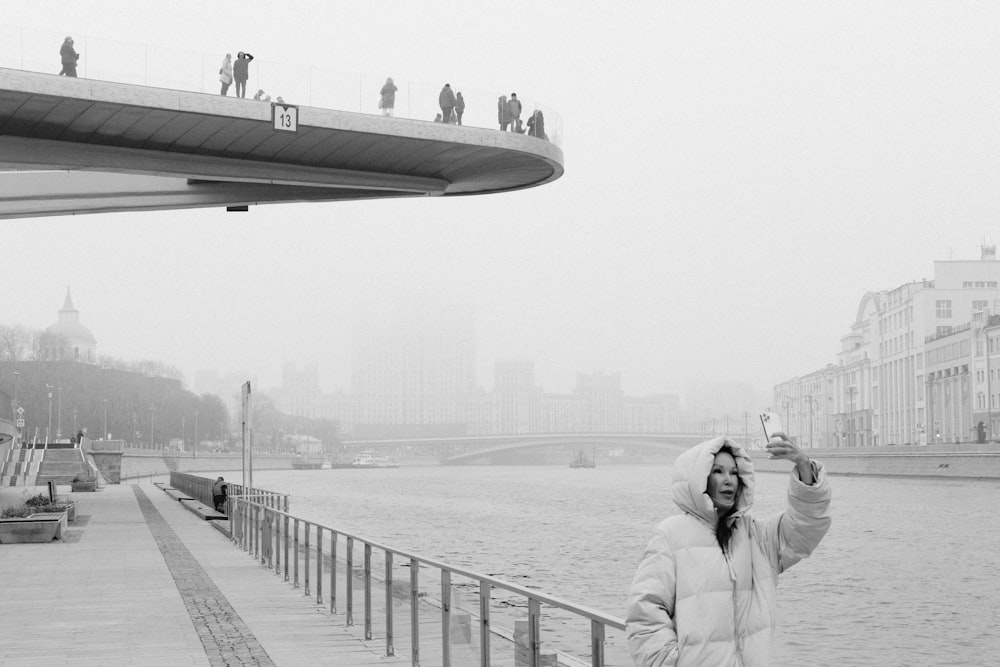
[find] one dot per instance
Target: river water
(909, 573)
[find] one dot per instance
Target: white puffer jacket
(691, 604)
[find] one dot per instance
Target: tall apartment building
(903, 368)
(300, 394)
(415, 373)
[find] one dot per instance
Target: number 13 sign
(285, 117)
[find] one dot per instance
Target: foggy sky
(738, 175)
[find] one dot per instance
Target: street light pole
(14, 406)
(196, 434)
(152, 422)
(105, 434)
(59, 418)
(48, 433)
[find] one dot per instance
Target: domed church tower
(67, 338)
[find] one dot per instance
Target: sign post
(247, 432)
(284, 117)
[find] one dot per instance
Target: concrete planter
(43, 527)
(62, 506)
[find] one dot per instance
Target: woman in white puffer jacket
(705, 590)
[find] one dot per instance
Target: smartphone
(771, 423)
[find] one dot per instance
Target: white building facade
(903, 370)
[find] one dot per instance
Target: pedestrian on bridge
(241, 72)
(226, 73)
(69, 58)
(705, 591)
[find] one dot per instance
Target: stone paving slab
(107, 595)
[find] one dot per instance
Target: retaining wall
(136, 463)
(964, 461)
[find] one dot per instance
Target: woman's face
(723, 481)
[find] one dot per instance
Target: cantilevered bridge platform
(72, 146)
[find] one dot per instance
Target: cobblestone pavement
(226, 638)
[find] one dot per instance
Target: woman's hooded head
(689, 486)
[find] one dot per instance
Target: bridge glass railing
(149, 65)
(422, 608)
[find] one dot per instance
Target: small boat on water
(369, 459)
(581, 461)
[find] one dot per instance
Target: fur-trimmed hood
(690, 479)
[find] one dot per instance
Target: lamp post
(48, 433)
(196, 434)
(14, 406)
(105, 434)
(59, 417)
(746, 442)
(74, 421)
(152, 421)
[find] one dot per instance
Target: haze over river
(909, 573)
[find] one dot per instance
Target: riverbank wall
(958, 460)
(140, 463)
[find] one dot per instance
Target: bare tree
(15, 343)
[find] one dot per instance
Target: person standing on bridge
(226, 73)
(69, 58)
(241, 72)
(705, 591)
(387, 97)
(446, 100)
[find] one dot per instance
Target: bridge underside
(672, 447)
(70, 146)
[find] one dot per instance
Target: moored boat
(369, 459)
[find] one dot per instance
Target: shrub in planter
(41, 503)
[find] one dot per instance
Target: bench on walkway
(177, 495)
(204, 511)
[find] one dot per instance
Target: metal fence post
(349, 580)
(333, 572)
(446, 618)
(596, 644)
(307, 528)
(484, 623)
(534, 631)
(319, 564)
(414, 612)
(368, 591)
(295, 581)
(389, 649)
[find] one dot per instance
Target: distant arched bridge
(465, 449)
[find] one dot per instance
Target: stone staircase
(21, 467)
(61, 466)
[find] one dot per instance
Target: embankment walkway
(139, 580)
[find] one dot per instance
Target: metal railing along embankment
(200, 488)
(294, 548)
